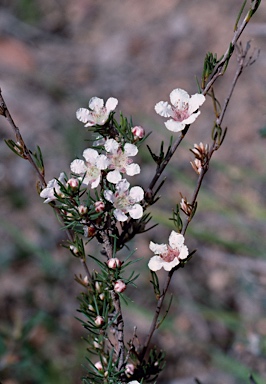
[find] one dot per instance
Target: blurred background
(54, 56)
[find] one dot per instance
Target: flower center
(92, 173)
(181, 113)
(99, 116)
(170, 254)
(119, 160)
(121, 201)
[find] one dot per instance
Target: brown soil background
(56, 55)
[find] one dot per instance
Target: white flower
(97, 114)
(119, 161)
(133, 382)
(124, 200)
(91, 168)
(168, 256)
(53, 187)
(182, 111)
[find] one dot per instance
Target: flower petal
(136, 211)
(109, 195)
(195, 102)
(130, 149)
(122, 186)
(95, 183)
(83, 115)
(158, 249)
(78, 166)
(155, 263)
(111, 145)
(178, 97)
(174, 126)
(136, 193)
(102, 162)
(191, 118)
(163, 109)
(119, 215)
(132, 169)
(90, 155)
(183, 252)
(176, 240)
(96, 103)
(114, 176)
(168, 266)
(111, 104)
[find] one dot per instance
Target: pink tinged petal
(174, 126)
(178, 97)
(90, 155)
(111, 104)
(163, 109)
(158, 249)
(132, 169)
(83, 115)
(78, 166)
(108, 195)
(195, 102)
(114, 176)
(176, 240)
(119, 215)
(155, 263)
(136, 193)
(136, 212)
(111, 145)
(130, 149)
(96, 103)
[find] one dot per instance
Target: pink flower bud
(86, 280)
(99, 366)
(129, 369)
(114, 263)
(82, 210)
(120, 286)
(99, 206)
(138, 132)
(73, 183)
(99, 321)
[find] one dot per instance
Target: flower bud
(86, 280)
(91, 308)
(101, 296)
(119, 286)
(185, 206)
(89, 231)
(96, 344)
(98, 286)
(82, 210)
(114, 263)
(138, 132)
(74, 249)
(196, 165)
(73, 183)
(99, 206)
(99, 366)
(129, 369)
(99, 321)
